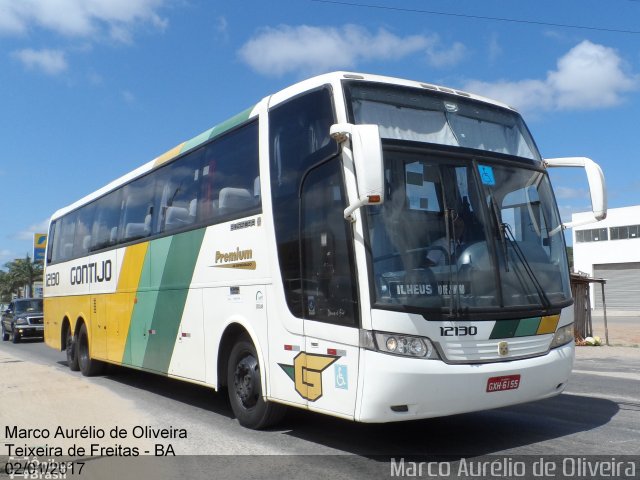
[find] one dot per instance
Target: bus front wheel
(88, 366)
(245, 388)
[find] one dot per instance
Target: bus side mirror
(597, 187)
(366, 152)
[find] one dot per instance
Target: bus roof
(333, 78)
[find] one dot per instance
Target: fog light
(392, 344)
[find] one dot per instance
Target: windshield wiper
(508, 234)
(501, 226)
(448, 223)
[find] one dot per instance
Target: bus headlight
(398, 344)
(563, 336)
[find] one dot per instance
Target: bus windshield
(456, 236)
(432, 117)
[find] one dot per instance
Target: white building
(610, 249)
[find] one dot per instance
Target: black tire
(72, 356)
(15, 337)
(88, 366)
(5, 335)
(245, 388)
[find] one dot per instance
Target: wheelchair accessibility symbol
(486, 175)
(341, 377)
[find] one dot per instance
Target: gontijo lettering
(95, 272)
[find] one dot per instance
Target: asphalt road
(599, 414)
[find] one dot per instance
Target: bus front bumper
(398, 388)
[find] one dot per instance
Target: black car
(22, 319)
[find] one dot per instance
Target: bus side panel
(53, 323)
(132, 276)
(286, 352)
(120, 308)
(243, 305)
(98, 327)
(158, 311)
(57, 308)
(65, 279)
(187, 358)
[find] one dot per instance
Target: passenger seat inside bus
(138, 230)
(234, 199)
(177, 217)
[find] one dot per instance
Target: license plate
(499, 384)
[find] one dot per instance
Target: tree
(7, 287)
(22, 271)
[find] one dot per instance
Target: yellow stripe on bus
(132, 267)
(548, 324)
(121, 304)
(168, 155)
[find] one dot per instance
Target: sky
(91, 89)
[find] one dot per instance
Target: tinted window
(67, 234)
(82, 241)
(178, 188)
(328, 291)
(298, 138)
(53, 241)
(106, 221)
(137, 209)
(230, 176)
(216, 182)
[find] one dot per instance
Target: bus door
(329, 294)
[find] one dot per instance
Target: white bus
(367, 247)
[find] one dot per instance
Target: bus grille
(474, 351)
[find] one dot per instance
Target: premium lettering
(234, 256)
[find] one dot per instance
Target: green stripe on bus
(176, 278)
(504, 329)
(142, 311)
(527, 327)
(218, 129)
(231, 122)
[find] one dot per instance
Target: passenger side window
(107, 219)
(137, 209)
(82, 241)
(178, 187)
(231, 182)
(53, 242)
(67, 234)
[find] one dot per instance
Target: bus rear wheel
(88, 366)
(245, 388)
(71, 350)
